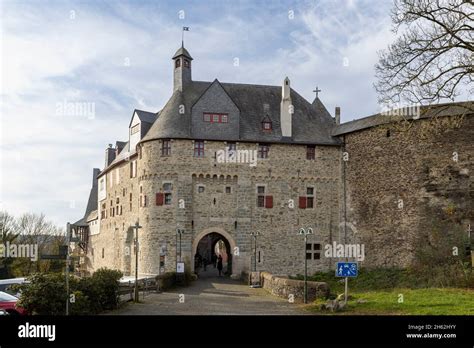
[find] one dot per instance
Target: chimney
(338, 115)
(286, 109)
(109, 155)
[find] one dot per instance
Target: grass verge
(429, 301)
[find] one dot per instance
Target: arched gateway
(206, 245)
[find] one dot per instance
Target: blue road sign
(346, 269)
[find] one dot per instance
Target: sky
(107, 58)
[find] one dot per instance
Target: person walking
(219, 265)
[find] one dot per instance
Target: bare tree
(433, 58)
(35, 229)
(8, 234)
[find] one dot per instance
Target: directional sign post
(346, 270)
(53, 257)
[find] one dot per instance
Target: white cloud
(49, 58)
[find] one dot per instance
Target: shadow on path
(212, 295)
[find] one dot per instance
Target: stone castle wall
(286, 174)
(403, 181)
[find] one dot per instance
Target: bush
(103, 288)
(81, 305)
(45, 294)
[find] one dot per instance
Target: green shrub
(103, 289)
(81, 305)
(46, 294)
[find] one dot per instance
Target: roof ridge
(240, 84)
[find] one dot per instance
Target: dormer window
(267, 125)
(266, 121)
(177, 63)
(215, 118)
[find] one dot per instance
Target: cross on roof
(317, 90)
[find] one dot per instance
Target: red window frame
(221, 118)
(265, 124)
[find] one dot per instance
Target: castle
(238, 169)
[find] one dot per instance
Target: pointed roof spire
(182, 52)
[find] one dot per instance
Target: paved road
(212, 295)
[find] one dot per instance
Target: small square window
(199, 148)
(310, 152)
(308, 256)
(167, 186)
(200, 189)
(215, 118)
(316, 256)
(207, 118)
(263, 151)
(308, 246)
(310, 190)
(224, 118)
(228, 189)
(261, 189)
(316, 246)
(165, 147)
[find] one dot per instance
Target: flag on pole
(185, 28)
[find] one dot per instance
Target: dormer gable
(215, 115)
(139, 125)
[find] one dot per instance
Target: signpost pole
(180, 257)
(68, 239)
(305, 271)
(346, 289)
(136, 227)
(179, 232)
(305, 232)
(255, 254)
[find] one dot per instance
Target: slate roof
(92, 201)
(438, 110)
(144, 116)
(312, 123)
(182, 52)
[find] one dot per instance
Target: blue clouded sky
(116, 55)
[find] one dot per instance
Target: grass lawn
(381, 289)
(429, 301)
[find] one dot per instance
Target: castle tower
(182, 69)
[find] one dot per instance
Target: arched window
(187, 63)
(178, 63)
